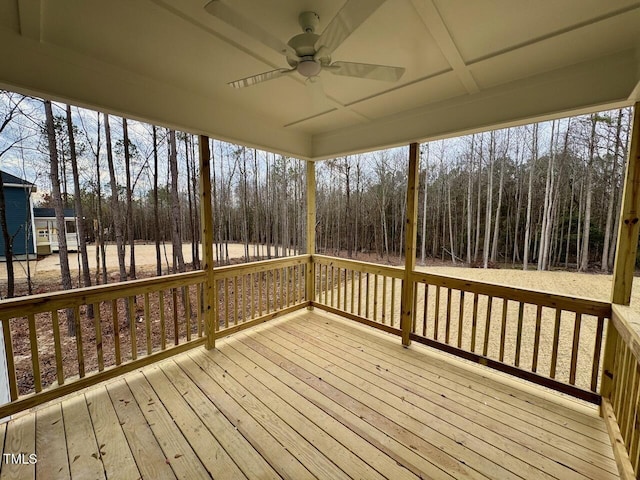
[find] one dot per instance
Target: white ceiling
(470, 65)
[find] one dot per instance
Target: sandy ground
(48, 267)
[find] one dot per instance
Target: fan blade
(366, 70)
(352, 14)
(261, 77)
(229, 16)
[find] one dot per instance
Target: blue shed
(19, 212)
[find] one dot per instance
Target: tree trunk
(489, 207)
(424, 206)
(82, 242)
(176, 234)
(608, 234)
(63, 253)
(115, 203)
(527, 230)
(130, 231)
(584, 264)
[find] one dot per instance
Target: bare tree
(63, 252)
(176, 234)
(81, 230)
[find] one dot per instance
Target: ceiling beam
(30, 13)
(432, 20)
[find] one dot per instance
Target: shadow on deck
(311, 395)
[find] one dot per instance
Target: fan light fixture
(309, 53)
(308, 67)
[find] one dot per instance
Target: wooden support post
(629, 228)
(206, 212)
(410, 243)
(311, 231)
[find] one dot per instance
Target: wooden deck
(311, 396)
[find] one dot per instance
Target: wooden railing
(118, 328)
(554, 340)
(123, 326)
(621, 389)
(365, 292)
(255, 292)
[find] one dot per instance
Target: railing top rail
(261, 266)
(546, 299)
(627, 323)
(359, 266)
(44, 302)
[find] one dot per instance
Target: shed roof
(9, 179)
(51, 213)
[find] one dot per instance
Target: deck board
(440, 393)
(311, 395)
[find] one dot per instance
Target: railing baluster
(375, 298)
(597, 348)
(253, 295)
(199, 309)
(425, 309)
(461, 319)
(384, 299)
(519, 334)
(366, 295)
(627, 380)
(163, 330)
(474, 322)
(11, 368)
(626, 427)
(415, 308)
(574, 350)
(116, 330)
(236, 297)
(226, 302)
(503, 327)
(147, 322)
(353, 284)
(555, 344)
(359, 293)
(448, 320)
(260, 282)
(436, 317)
(35, 362)
(286, 283)
(487, 326)
(98, 328)
(186, 291)
(617, 377)
(132, 328)
(536, 339)
(346, 288)
(176, 331)
(273, 285)
(339, 282)
(57, 345)
(332, 288)
(76, 319)
(267, 275)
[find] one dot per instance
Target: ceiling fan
(309, 53)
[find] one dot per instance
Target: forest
(544, 195)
